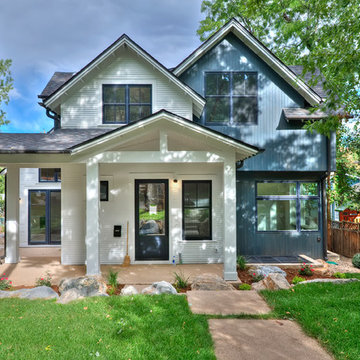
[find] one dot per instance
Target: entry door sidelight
(151, 220)
(44, 217)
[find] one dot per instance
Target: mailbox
(117, 230)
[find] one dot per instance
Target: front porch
(34, 263)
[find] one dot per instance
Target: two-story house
(194, 164)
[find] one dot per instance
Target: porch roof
(69, 141)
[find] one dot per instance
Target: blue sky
(44, 36)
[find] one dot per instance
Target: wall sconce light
(175, 181)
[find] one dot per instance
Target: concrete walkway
(263, 340)
(227, 302)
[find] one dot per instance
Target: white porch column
(230, 272)
(12, 215)
(92, 219)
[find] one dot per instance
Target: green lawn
(139, 327)
(328, 312)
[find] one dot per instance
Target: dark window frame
(47, 217)
(194, 238)
(57, 178)
(231, 96)
(107, 190)
(127, 103)
(296, 197)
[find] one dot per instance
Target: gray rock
(267, 270)
(333, 281)
(86, 286)
(75, 294)
(210, 282)
(260, 285)
(40, 292)
(276, 281)
(129, 290)
(161, 287)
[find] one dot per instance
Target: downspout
(52, 115)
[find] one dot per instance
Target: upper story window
(123, 104)
(231, 97)
(49, 175)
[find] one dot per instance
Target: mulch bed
(246, 278)
(117, 291)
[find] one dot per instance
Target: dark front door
(44, 217)
(151, 220)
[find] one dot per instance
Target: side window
(49, 175)
(123, 104)
(231, 98)
(287, 206)
(196, 210)
(104, 190)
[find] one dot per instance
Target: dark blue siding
(287, 146)
(251, 242)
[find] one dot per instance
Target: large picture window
(287, 206)
(231, 97)
(123, 104)
(196, 210)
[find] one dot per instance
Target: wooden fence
(344, 238)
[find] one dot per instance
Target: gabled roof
(124, 40)
(57, 80)
(240, 146)
(233, 26)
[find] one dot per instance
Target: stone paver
(226, 302)
(263, 340)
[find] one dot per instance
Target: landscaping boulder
(86, 285)
(210, 282)
(129, 290)
(274, 281)
(266, 271)
(324, 269)
(333, 281)
(161, 287)
(75, 294)
(40, 292)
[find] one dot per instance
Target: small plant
(339, 275)
(244, 287)
(5, 283)
(297, 279)
(356, 260)
(256, 277)
(181, 282)
(306, 270)
(241, 262)
(112, 279)
(44, 281)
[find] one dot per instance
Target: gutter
(52, 115)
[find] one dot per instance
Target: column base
(10, 260)
(230, 276)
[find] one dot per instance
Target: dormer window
(123, 104)
(231, 98)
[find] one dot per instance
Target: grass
(138, 327)
(326, 311)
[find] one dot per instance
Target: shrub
(297, 279)
(339, 275)
(244, 287)
(241, 262)
(306, 270)
(112, 279)
(5, 283)
(356, 260)
(256, 277)
(44, 281)
(181, 282)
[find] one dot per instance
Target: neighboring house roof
(76, 140)
(124, 40)
(302, 114)
(58, 79)
(288, 74)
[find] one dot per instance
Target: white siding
(29, 180)
(120, 209)
(73, 214)
(84, 106)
